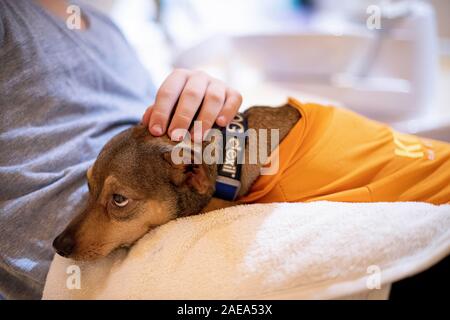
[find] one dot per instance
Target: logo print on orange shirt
(411, 147)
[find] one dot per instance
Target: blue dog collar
(228, 182)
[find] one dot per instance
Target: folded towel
(282, 250)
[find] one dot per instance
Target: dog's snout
(64, 244)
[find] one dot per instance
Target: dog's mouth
(66, 247)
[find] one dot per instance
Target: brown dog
(134, 186)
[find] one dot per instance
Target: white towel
(316, 250)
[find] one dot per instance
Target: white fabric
(319, 250)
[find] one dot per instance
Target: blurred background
(389, 60)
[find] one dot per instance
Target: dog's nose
(64, 244)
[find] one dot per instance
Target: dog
(324, 153)
(135, 186)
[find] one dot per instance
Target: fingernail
(179, 137)
(156, 130)
(176, 135)
(221, 121)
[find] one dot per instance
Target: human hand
(188, 91)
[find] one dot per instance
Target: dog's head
(134, 186)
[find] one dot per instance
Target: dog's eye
(119, 200)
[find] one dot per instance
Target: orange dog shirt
(334, 154)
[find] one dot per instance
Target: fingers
(212, 105)
(146, 116)
(190, 100)
(166, 99)
(187, 91)
(232, 103)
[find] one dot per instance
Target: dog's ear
(189, 170)
(89, 173)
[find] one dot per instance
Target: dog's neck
(283, 119)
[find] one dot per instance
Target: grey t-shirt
(63, 94)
